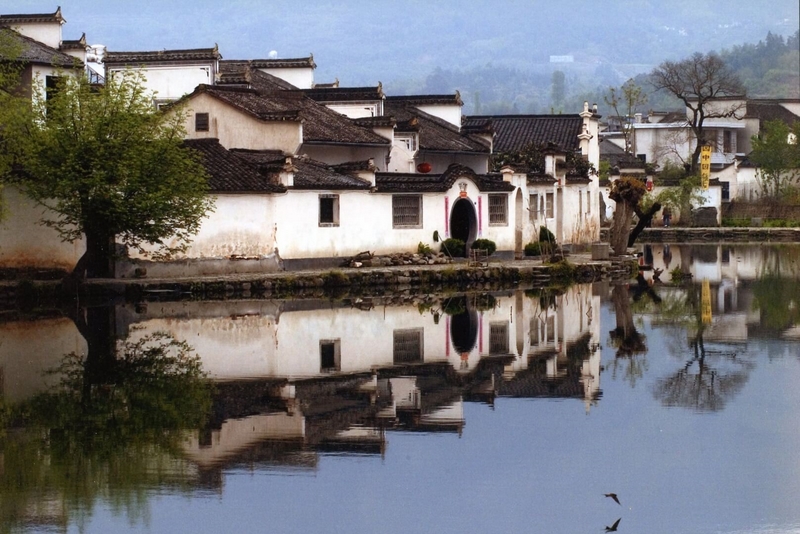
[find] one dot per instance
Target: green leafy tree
(12, 102)
(702, 83)
(683, 196)
(776, 153)
(111, 168)
(625, 102)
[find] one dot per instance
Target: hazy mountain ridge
(497, 50)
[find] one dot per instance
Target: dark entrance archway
(464, 330)
(463, 221)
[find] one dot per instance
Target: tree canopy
(110, 167)
(776, 152)
(703, 83)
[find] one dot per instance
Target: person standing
(666, 214)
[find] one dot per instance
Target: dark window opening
(329, 355)
(201, 122)
(329, 210)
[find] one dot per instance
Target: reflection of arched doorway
(463, 221)
(464, 330)
(518, 224)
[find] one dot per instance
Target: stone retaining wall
(727, 235)
(362, 281)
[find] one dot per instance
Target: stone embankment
(374, 280)
(716, 235)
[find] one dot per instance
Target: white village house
(664, 137)
(309, 175)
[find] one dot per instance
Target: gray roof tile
(515, 132)
(320, 124)
(162, 56)
(227, 172)
(390, 182)
(31, 51)
(435, 134)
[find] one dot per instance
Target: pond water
(483, 411)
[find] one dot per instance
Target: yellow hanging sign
(705, 166)
(705, 302)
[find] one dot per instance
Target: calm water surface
(486, 411)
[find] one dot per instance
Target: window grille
(408, 345)
(201, 122)
(498, 338)
(406, 211)
(498, 209)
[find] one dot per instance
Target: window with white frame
(548, 205)
(533, 206)
(329, 210)
(498, 209)
(407, 141)
(407, 211)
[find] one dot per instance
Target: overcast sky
(364, 41)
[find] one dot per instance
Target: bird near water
(613, 496)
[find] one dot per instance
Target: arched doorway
(463, 221)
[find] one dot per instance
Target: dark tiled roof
(770, 110)
(435, 134)
(354, 166)
(330, 85)
(422, 100)
(288, 63)
(308, 173)
(539, 178)
(391, 182)
(373, 122)
(27, 50)
(33, 17)
(515, 132)
(345, 94)
(253, 103)
(157, 56)
(617, 157)
(320, 124)
(229, 173)
(75, 44)
(576, 179)
(241, 74)
(317, 175)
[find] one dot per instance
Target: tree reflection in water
(107, 435)
(629, 342)
(710, 377)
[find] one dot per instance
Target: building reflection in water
(295, 378)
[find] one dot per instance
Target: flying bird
(613, 528)
(613, 496)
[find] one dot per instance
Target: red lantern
(424, 167)
(649, 184)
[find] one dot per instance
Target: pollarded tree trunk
(644, 221)
(621, 228)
